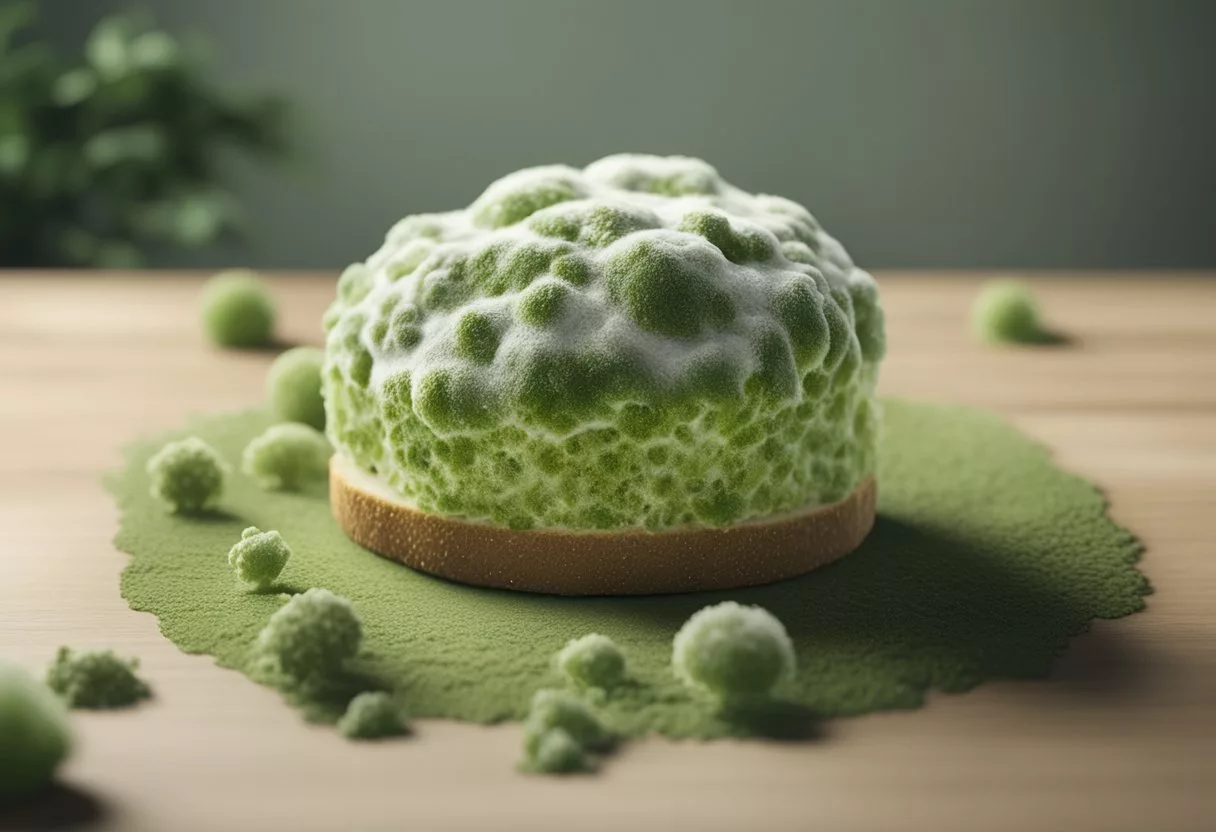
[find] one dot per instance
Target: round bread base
(626, 562)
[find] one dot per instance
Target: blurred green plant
(119, 150)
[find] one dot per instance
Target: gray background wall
(954, 133)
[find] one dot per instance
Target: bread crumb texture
(636, 344)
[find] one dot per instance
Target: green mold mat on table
(984, 561)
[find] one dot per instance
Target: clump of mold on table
(97, 679)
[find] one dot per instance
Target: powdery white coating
(293, 386)
(97, 679)
(733, 652)
(259, 557)
(286, 456)
(635, 344)
(592, 661)
(372, 715)
(311, 637)
(187, 475)
(35, 735)
(237, 310)
(558, 709)
(1005, 311)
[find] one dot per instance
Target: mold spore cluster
(562, 733)
(735, 653)
(286, 456)
(634, 344)
(373, 715)
(310, 638)
(592, 661)
(259, 557)
(96, 679)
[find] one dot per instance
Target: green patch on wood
(985, 560)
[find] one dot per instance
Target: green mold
(636, 295)
(984, 561)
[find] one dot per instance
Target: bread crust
(625, 562)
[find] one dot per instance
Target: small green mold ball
(403, 330)
(361, 367)
(868, 316)
(36, 734)
(372, 715)
(572, 269)
(97, 679)
(775, 374)
(558, 709)
(411, 256)
(452, 400)
(543, 303)
(187, 475)
(258, 557)
(519, 195)
(733, 652)
(476, 337)
(799, 307)
(671, 176)
(503, 267)
(417, 227)
(1006, 312)
(354, 283)
(736, 246)
(594, 223)
(293, 387)
(666, 290)
(237, 310)
(287, 456)
(799, 252)
(593, 661)
(557, 753)
(312, 636)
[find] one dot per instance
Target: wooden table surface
(1122, 738)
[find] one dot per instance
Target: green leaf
(27, 65)
(138, 143)
(120, 145)
(15, 130)
(108, 47)
(48, 170)
(14, 154)
(130, 96)
(13, 18)
(74, 87)
(202, 217)
(12, 119)
(192, 219)
(198, 222)
(154, 51)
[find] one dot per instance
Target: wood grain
(1122, 738)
